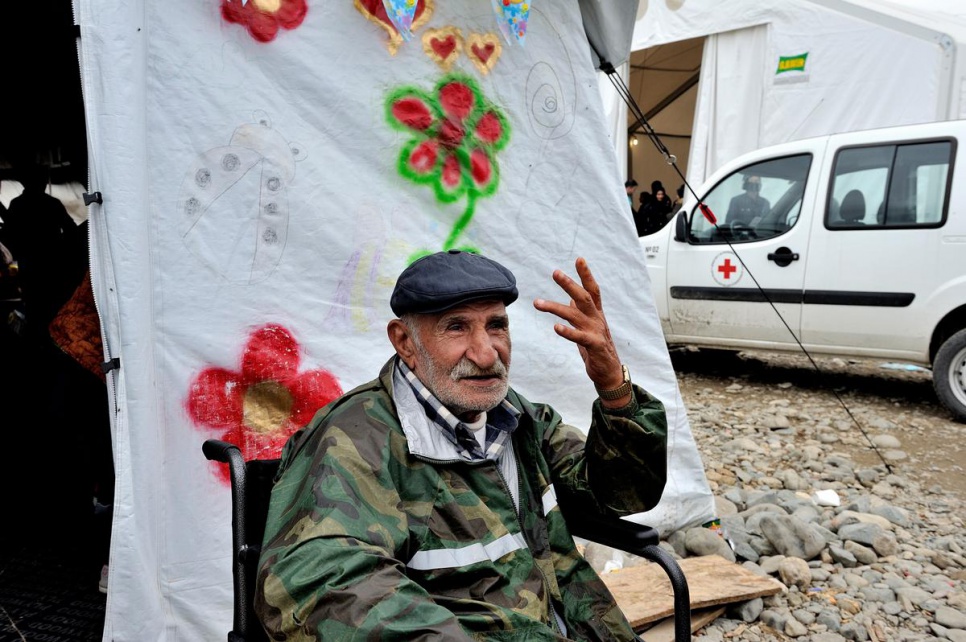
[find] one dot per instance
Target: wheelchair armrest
(218, 450)
(615, 532)
(643, 541)
(245, 626)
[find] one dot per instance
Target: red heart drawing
(443, 46)
(483, 53)
(484, 50)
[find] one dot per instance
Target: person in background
(76, 331)
(747, 208)
(70, 416)
(640, 221)
(431, 502)
(50, 252)
(677, 202)
(630, 186)
(653, 213)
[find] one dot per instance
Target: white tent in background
(717, 79)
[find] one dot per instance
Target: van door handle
(783, 256)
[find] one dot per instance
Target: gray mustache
(466, 368)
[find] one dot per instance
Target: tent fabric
(615, 114)
(265, 181)
(731, 95)
(609, 27)
(868, 64)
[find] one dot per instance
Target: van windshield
(757, 202)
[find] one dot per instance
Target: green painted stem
(461, 224)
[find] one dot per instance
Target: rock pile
(866, 551)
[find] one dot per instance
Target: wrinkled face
(462, 355)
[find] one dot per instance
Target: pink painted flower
(456, 134)
(261, 405)
(263, 18)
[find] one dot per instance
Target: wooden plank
(663, 631)
(644, 592)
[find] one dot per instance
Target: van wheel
(949, 374)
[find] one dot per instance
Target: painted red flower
(263, 18)
(457, 133)
(260, 406)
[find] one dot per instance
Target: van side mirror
(681, 227)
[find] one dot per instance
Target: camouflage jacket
(367, 541)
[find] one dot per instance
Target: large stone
(791, 479)
(774, 619)
(792, 537)
(724, 506)
(913, 594)
(770, 565)
(676, 540)
(794, 571)
(950, 618)
(861, 532)
(747, 611)
(703, 541)
(753, 516)
(894, 514)
(794, 628)
(847, 517)
(842, 556)
(761, 545)
(885, 544)
(862, 554)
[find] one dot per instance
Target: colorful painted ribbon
(401, 13)
(511, 18)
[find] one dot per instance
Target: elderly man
(427, 504)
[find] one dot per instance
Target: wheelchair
(251, 488)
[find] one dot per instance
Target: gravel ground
(862, 400)
(847, 484)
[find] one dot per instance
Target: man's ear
(402, 341)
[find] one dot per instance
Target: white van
(857, 240)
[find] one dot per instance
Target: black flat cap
(446, 279)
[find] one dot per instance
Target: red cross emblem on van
(726, 269)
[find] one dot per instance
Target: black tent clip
(93, 198)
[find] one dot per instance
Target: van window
(896, 185)
(757, 202)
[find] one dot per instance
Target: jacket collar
(426, 436)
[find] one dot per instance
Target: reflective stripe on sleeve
(455, 557)
(549, 500)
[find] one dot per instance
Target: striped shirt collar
(501, 421)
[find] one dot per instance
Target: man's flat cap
(444, 280)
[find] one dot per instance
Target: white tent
(267, 169)
(717, 79)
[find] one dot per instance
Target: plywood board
(644, 592)
(663, 631)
